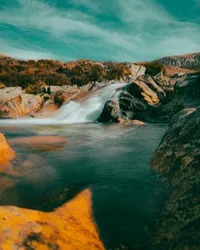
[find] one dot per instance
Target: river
(110, 159)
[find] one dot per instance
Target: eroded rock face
(137, 100)
(177, 159)
(69, 227)
(136, 70)
(10, 93)
(47, 110)
(188, 61)
(148, 98)
(186, 94)
(13, 103)
(141, 98)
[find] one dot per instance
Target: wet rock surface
(71, 226)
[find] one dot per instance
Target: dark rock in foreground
(177, 159)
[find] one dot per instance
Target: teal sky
(117, 30)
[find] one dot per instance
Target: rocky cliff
(187, 61)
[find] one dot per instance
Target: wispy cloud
(197, 2)
(10, 48)
(145, 29)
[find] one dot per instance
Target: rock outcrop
(137, 100)
(185, 94)
(71, 227)
(15, 103)
(188, 61)
(177, 160)
(154, 98)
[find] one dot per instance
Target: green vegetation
(59, 99)
(153, 68)
(2, 85)
(37, 88)
(27, 74)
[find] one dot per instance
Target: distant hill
(24, 73)
(187, 61)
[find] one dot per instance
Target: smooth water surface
(111, 160)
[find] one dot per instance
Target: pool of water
(110, 159)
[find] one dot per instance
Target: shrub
(32, 89)
(36, 88)
(59, 98)
(79, 80)
(153, 68)
(115, 71)
(2, 85)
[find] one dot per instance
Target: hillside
(27, 74)
(187, 61)
(23, 73)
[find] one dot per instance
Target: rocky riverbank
(174, 99)
(177, 160)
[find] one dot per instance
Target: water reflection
(111, 161)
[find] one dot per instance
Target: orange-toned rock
(130, 122)
(44, 143)
(46, 111)
(6, 152)
(14, 103)
(137, 122)
(69, 227)
(80, 95)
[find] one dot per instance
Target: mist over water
(88, 109)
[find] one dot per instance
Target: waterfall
(88, 109)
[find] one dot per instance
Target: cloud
(197, 2)
(142, 11)
(22, 53)
(141, 30)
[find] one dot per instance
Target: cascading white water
(87, 110)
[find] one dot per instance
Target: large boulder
(10, 93)
(14, 103)
(110, 112)
(137, 100)
(177, 160)
(136, 70)
(30, 103)
(140, 98)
